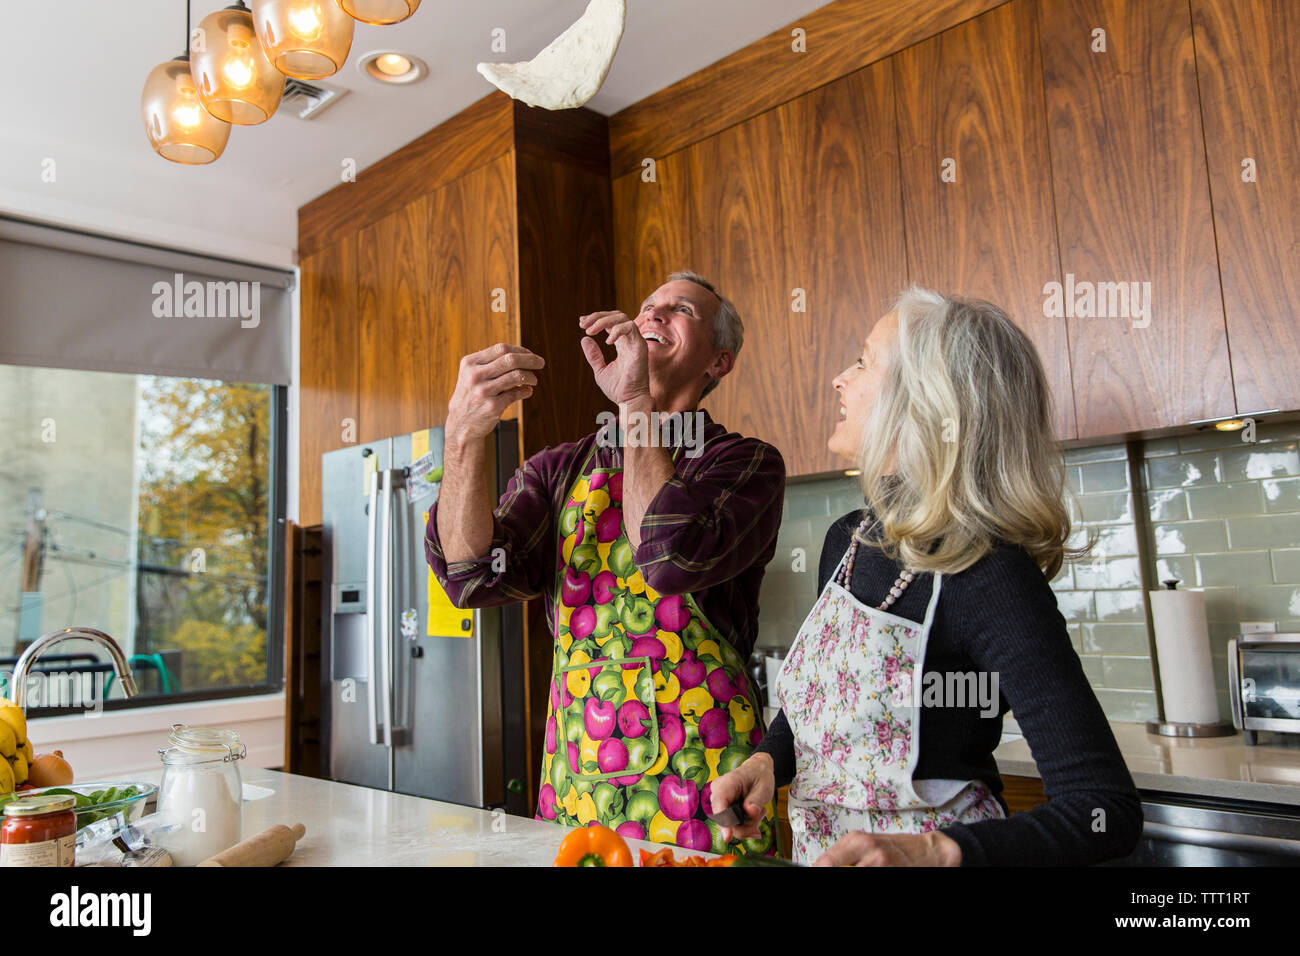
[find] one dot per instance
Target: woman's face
(858, 385)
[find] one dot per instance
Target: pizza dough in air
(571, 70)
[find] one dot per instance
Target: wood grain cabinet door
(327, 370)
(796, 214)
(653, 230)
(473, 294)
(1248, 66)
(393, 313)
(1133, 211)
(845, 260)
(976, 176)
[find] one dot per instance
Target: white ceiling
(72, 71)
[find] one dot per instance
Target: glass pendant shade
(380, 12)
(308, 39)
(179, 128)
(235, 80)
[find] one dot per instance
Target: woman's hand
(755, 781)
(860, 848)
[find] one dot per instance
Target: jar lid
(41, 803)
(204, 739)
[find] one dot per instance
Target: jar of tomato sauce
(39, 831)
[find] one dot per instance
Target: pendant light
(178, 126)
(308, 39)
(235, 80)
(380, 12)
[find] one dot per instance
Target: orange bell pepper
(593, 846)
(664, 857)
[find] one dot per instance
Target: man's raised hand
(489, 382)
(627, 377)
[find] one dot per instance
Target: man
(649, 555)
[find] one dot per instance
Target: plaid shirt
(710, 530)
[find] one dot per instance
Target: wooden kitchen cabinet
(1246, 65)
(470, 238)
(1073, 168)
(975, 167)
(844, 245)
(393, 306)
(327, 370)
(795, 214)
(653, 230)
(1133, 206)
(1022, 793)
(738, 241)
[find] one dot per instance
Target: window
(150, 508)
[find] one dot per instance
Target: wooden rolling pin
(267, 848)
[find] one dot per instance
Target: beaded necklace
(846, 573)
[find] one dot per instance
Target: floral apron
(648, 703)
(847, 689)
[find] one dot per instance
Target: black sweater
(1000, 615)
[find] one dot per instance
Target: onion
(50, 770)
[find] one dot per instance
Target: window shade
(72, 300)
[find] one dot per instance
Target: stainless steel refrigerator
(421, 698)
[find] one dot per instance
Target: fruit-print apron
(847, 689)
(648, 703)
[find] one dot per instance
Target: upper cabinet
(327, 365)
(1248, 66)
(1141, 283)
(432, 254)
(1115, 174)
(976, 191)
(474, 303)
(795, 213)
(393, 307)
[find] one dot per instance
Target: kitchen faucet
(46, 641)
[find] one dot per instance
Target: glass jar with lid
(199, 798)
(39, 831)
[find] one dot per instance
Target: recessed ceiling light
(390, 66)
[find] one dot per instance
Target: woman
(892, 696)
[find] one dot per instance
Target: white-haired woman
(892, 695)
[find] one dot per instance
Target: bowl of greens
(99, 801)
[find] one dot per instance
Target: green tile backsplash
(1224, 517)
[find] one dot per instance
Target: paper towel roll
(1183, 645)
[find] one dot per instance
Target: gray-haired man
(650, 561)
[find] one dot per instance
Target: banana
(19, 763)
(15, 718)
(28, 753)
(7, 783)
(8, 742)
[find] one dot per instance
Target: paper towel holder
(1173, 728)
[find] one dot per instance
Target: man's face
(676, 320)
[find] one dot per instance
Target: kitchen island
(357, 826)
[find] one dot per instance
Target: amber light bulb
(308, 39)
(380, 12)
(235, 80)
(178, 126)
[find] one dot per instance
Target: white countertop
(1209, 766)
(357, 826)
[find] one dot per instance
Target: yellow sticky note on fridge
(445, 619)
(369, 465)
(419, 444)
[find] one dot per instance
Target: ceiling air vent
(308, 100)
